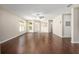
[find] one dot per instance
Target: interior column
(75, 25)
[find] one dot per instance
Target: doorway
(50, 28)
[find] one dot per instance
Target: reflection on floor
(45, 43)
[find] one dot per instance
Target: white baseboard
(62, 36)
(7, 40)
(74, 42)
(10, 38)
(66, 37)
(57, 35)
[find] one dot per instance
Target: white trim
(57, 35)
(62, 36)
(74, 42)
(66, 37)
(10, 38)
(7, 40)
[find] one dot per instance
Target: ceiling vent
(69, 5)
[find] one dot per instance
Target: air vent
(69, 5)
(41, 17)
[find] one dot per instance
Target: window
(22, 26)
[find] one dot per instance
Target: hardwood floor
(39, 43)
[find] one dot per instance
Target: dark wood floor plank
(43, 43)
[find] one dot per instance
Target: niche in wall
(67, 23)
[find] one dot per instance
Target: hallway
(42, 43)
(39, 28)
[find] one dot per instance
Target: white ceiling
(47, 10)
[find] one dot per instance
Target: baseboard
(74, 42)
(57, 36)
(7, 40)
(10, 38)
(66, 37)
(62, 37)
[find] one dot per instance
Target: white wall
(57, 25)
(9, 26)
(66, 28)
(75, 25)
(44, 26)
(38, 26)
